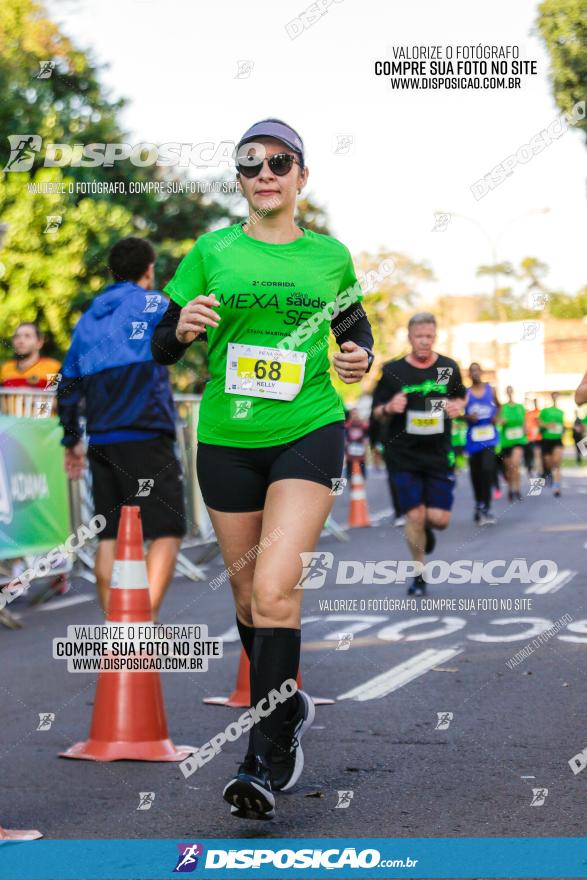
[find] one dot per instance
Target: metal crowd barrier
(33, 403)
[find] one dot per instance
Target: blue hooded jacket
(109, 363)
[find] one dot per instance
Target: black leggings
(482, 470)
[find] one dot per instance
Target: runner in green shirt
(552, 425)
(514, 438)
(265, 294)
(459, 438)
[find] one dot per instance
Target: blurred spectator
(28, 369)
(130, 417)
(578, 434)
(356, 436)
(532, 448)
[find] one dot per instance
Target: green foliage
(51, 277)
(561, 305)
(515, 303)
(388, 306)
(563, 27)
(44, 272)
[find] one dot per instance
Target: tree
(563, 27)
(47, 275)
(51, 276)
(387, 304)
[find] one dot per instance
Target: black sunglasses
(280, 163)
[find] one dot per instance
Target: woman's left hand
(351, 362)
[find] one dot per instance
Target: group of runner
(500, 438)
(496, 438)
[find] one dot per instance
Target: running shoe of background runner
(486, 519)
(287, 758)
(417, 587)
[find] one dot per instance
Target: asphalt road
(516, 722)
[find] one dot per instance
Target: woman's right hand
(195, 317)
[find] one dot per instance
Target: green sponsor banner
(34, 506)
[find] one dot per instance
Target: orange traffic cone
(129, 722)
(358, 510)
(241, 695)
(19, 834)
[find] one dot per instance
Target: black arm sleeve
(165, 346)
(353, 325)
(382, 392)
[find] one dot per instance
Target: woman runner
(513, 421)
(551, 422)
(481, 407)
(265, 294)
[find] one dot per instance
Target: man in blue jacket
(130, 420)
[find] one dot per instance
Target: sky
(411, 154)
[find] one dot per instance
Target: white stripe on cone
(129, 574)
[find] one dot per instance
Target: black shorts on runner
(507, 450)
(547, 446)
(121, 470)
(235, 479)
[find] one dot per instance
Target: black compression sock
(247, 634)
(275, 659)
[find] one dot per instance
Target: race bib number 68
(256, 371)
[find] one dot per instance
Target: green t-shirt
(499, 444)
(513, 425)
(459, 432)
(267, 293)
(553, 418)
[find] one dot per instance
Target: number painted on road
(537, 626)
(395, 631)
(402, 630)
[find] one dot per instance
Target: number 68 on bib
(257, 371)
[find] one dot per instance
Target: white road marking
(56, 604)
(373, 518)
(400, 675)
(557, 583)
(230, 635)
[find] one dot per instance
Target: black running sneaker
(286, 761)
(417, 587)
(487, 519)
(430, 540)
(249, 793)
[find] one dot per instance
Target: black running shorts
(122, 474)
(548, 446)
(235, 479)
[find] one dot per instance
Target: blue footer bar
(372, 858)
